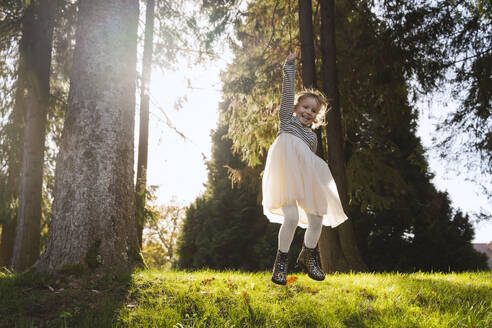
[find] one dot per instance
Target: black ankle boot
(308, 261)
(279, 274)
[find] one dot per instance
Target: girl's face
(306, 111)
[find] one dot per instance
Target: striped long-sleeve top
(288, 122)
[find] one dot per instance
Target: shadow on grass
(34, 299)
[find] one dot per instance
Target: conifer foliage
(401, 221)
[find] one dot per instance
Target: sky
(177, 167)
(464, 195)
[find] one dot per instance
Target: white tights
(288, 228)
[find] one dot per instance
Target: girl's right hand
(290, 57)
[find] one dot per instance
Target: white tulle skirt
(294, 175)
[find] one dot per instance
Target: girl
(298, 188)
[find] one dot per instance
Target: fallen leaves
(367, 294)
(298, 288)
(312, 291)
(231, 285)
(207, 281)
(246, 297)
(291, 280)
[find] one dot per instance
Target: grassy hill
(154, 298)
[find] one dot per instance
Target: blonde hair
(320, 101)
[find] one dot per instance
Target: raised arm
(287, 100)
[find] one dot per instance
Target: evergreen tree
(394, 206)
(449, 42)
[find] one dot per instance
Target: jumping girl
(298, 188)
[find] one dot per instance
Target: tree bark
(331, 253)
(93, 223)
(307, 55)
(335, 142)
(143, 141)
(38, 26)
(307, 43)
(7, 242)
(14, 159)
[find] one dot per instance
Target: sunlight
(177, 166)
(186, 101)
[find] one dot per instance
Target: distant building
(486, 249)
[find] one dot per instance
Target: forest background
(275, 43)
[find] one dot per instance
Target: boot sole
(302, 267)
(279, 282)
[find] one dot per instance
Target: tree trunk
(143, 141)
(14, 160)
(7, 242)
(307, 55)
(331, 254)
(307, 43)
(38, 26)
(335, 141)
(93, 221)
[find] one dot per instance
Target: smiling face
(306, 110)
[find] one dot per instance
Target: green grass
(154, 298)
